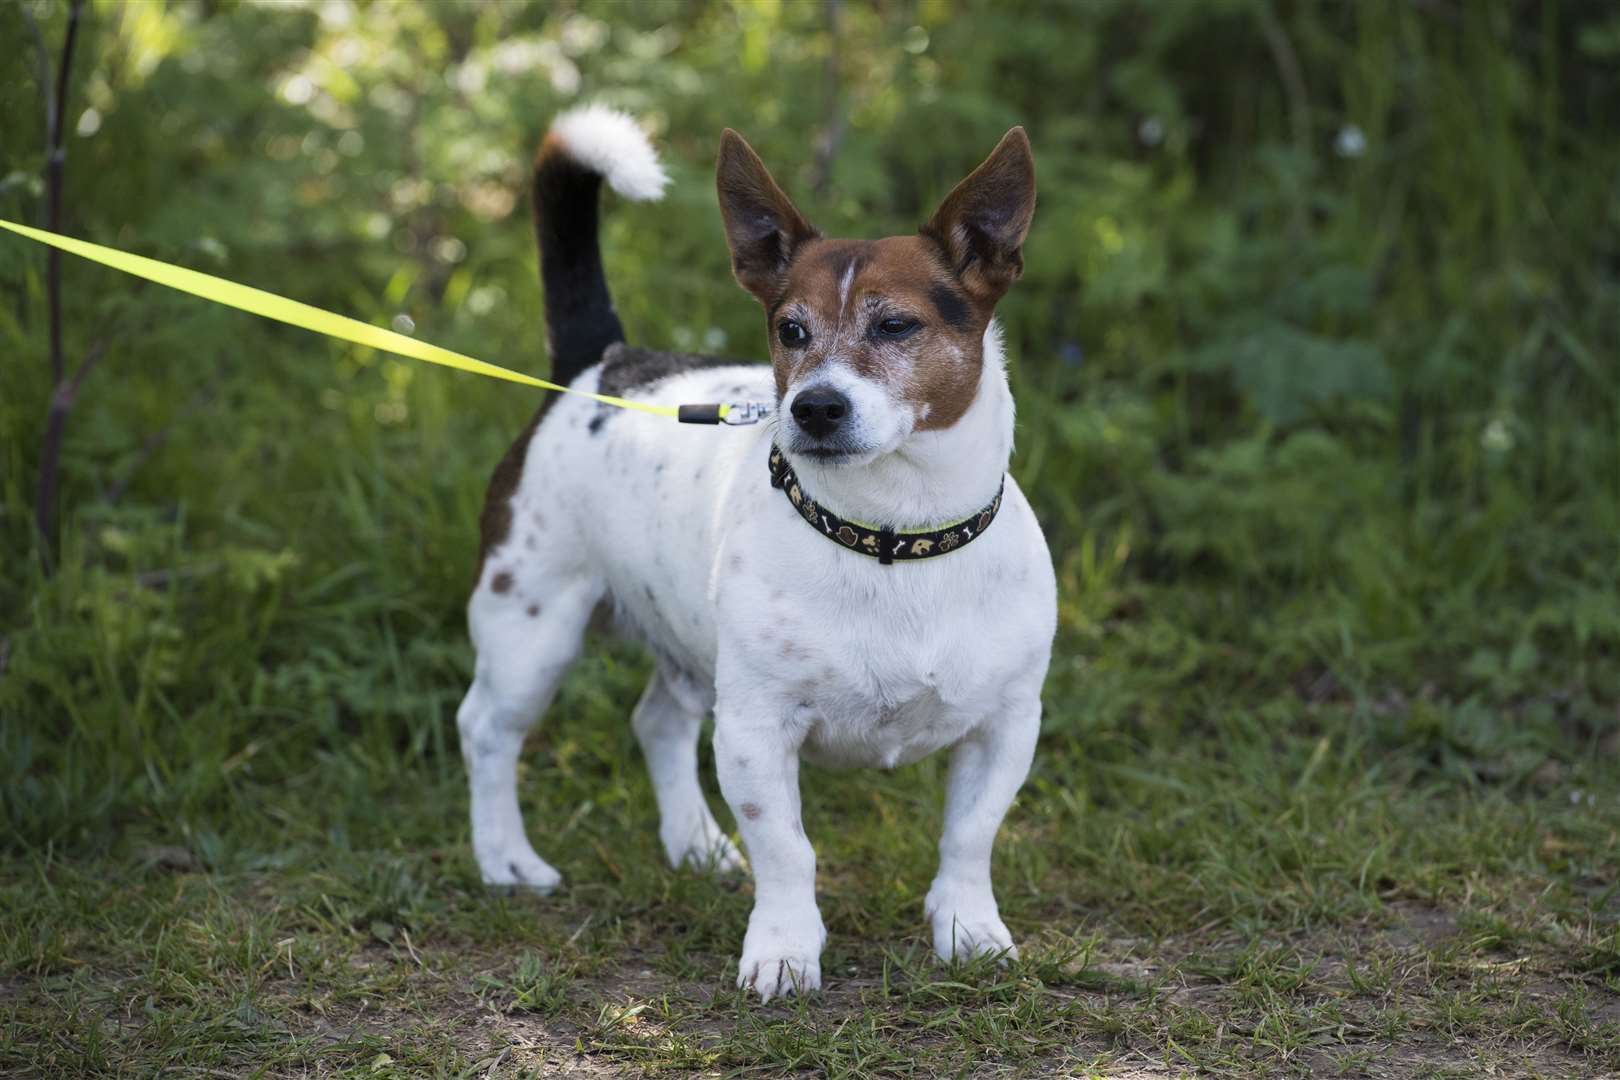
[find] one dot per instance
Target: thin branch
(154, 442)
(1299, 101)
(54, 162)
(50, 457)
(63, 396)
(86, 366)
(1292, 75)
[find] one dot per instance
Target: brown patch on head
(935, 291)
(750, 811)
(845, 291)
(534, 610)
(501, 582)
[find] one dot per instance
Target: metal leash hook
(734, 413)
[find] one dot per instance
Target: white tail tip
(611, 143)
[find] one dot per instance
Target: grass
(1315, 897)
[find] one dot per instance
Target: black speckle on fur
(626, 368)
(951, 307)
(595, 426)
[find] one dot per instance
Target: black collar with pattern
(884, 545)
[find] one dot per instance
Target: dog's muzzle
(819, 411)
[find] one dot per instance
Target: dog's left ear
(983, 222)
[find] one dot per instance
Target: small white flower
(1351, 142)
(1497, 436)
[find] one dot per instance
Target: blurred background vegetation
(1315, 357)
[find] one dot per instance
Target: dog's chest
(852, 729)
(879, 687)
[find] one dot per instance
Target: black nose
(819, 410)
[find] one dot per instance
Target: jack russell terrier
(856, 582)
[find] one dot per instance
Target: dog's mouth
(833, 454)
(827, 455)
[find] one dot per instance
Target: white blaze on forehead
(844, 284)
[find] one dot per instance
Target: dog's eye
(896, 327)
(792, 334)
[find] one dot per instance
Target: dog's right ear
(763, 227)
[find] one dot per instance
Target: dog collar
(884, 545)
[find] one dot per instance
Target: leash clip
(735, 413)
(741, 413)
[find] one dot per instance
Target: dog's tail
(584, 147)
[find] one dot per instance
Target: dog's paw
(966, 927)
(519, 870)
(782, 955)
(772, 976)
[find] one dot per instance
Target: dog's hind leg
(667, 728)
(527, 627)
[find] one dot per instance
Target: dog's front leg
(987, 769)
(757, 757)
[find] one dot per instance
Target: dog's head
(872, 340)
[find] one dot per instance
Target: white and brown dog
(857, 582)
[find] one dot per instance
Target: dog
(855, 582)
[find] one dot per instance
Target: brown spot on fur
(502, 583)
(534, 609)
(750, 811)
(495, 523)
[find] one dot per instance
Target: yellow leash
(294, 313)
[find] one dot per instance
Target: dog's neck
(935, 477)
